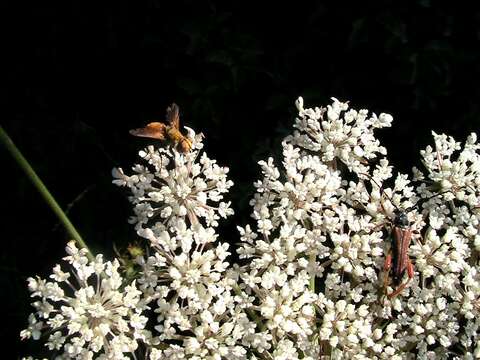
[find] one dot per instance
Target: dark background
(80, 75)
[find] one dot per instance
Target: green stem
(312, 278)
(311, 285)
(250, 312)
(23, 163)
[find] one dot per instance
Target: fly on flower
(166, 131)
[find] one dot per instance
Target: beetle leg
(410, 270)
(410, 273)
(399, 289)
(386, 269)
(388, 262)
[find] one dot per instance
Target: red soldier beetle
(398, 253)
(397, 262)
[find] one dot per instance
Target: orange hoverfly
(169, 131)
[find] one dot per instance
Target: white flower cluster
(175, 185)
(346, 260)
(198, 314)
(325, 223)
(336, 132)
(87, 313)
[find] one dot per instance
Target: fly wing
(173, 116)
(154, 130)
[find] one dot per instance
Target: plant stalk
(42, 189)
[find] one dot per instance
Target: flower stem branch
(312, 279)
(251, 313)
(42, 189)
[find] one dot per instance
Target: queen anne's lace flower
(174, 186)
(312, 283)
(87, 313)
(326, 229)
(336, 132)
(178, 200)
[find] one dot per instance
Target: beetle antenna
(381, 189)
(427, 198)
